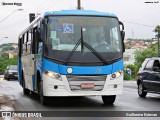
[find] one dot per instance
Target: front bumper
(53, 87)
(11, 76)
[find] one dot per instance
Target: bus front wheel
(108, 100)
(42, 97)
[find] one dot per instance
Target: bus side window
(40, 48)
(34, 41)
(39, 41)
(24, 44)
(29, 41)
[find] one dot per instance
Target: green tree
(133, 69)
(157, 30)
(4, 62)
(8, 48)
(141, 55)
(5, 55)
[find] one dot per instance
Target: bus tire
(42, 97)
(108, 100)
(32, 93)
(25, 91)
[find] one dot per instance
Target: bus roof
(79, 12)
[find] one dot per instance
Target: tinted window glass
(149, 65)
(156, 63)
(13, 67)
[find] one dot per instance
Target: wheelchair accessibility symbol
(68, 28)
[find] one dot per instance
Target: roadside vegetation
(140, 56)
(5, 61)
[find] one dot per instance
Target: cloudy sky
(139, 18)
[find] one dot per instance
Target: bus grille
(76, 81)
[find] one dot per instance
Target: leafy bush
(127, 76)
(141, 55)
(5, 61)
(133, 69)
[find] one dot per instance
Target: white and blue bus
(72, 53)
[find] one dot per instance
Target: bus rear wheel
(108, 100)
(25, 91)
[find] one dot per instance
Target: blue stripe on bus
(85, 70)
(19, 70)
(79, 12)
(50, 66)
(118, 66)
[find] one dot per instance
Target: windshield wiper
(96, 53)
(73, 50)
(80, 41)
(75, 47)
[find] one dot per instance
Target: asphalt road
(128, 101)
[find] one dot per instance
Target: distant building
(15, 46)
(12, 54)
(129, 56)
(136, 44)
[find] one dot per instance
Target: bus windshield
(100, 33)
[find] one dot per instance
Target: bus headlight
(116, 74)
(53, 75)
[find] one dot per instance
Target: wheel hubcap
(140, 89)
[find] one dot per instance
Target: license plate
(87, 85)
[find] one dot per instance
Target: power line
(42, 8)
(139, 24)
(41, 5)
(10, 15)
(44, 5)
(56, 2)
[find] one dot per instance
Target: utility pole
(79, 4)
(132, 34)
(158, 44)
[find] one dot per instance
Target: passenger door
(38, 56)
(157, 80)
(148, 75)
(28, 59)
(156, 76)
